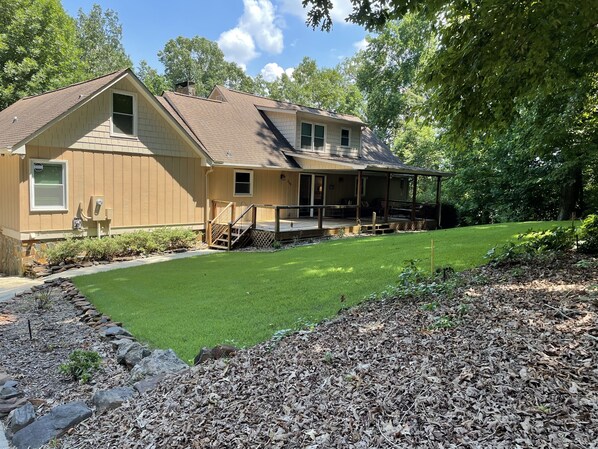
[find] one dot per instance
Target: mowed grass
(243, 298)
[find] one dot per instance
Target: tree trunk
(571, 194)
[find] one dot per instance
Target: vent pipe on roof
(185, 87)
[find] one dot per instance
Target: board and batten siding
(268, 188)
(9, 192)
(143, 191)
(88, 128)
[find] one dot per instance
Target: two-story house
(106, 156)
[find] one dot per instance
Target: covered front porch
(327, 205)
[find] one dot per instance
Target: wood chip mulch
(517, 369)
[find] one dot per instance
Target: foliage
(38, 49)
(81, 365)
(100, 38)
(155, 82)
(309, 281)
(43, 299)
(122, 245)
(532, 244)
(588, 233)
(331, 89)
(200, 60)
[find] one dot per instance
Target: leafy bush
(123, 245)
(81, 365)
(66, 251)
(532, 244)
(588, 234)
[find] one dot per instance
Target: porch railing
(218, 225)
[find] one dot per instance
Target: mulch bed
(513, 363)
(56, 331)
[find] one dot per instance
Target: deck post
(276, 222)
(230, 235)
(209, 234)
(232, 212)
(358, 201)
(438, 205)
(253, 217)
(213, 210)
(413, 198)
(387, 197)
(319, 218)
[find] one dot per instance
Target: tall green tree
(38, 49)
(100, 38)
(332, 89)
(501, 62)
(200, 60)
(155, 82)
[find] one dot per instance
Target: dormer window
(312, 136)
(124, 114)
(345, 137)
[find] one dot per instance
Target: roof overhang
(311, 115)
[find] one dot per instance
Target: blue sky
(264, 36)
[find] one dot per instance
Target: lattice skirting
(262, 239)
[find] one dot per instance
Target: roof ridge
(287, 102)
(195, 97)
(74, 84)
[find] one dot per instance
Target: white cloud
(272, 71)
(257, 27)
(360, 45)
(237, 46)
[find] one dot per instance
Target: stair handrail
(228, 206)
(219, 232)
(232, 225)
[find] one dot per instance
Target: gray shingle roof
(28, 116)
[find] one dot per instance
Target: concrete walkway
(13, 285)
(3, 442)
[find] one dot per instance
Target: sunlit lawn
(244, 297)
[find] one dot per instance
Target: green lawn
(244, 297)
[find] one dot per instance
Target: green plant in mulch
(81, 365)
(43, 299)
(588, 235)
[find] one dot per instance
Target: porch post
(276, 221)
(413, 197)
(438, 205)
(387, 197)
(358, 202)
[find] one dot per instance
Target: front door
(312, 189)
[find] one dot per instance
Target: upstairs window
(312, 136)
(123, 114)
(47, 181)
(243, 183)
(345, 134)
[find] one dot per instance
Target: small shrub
(43, 299)
(100, 249)
(66, 251)
(588, 233)
(443, 322)
(276, 244)
(81, 365)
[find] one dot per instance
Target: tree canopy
(100, 38)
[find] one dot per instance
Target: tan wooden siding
(88, 128)
(9, 192)
(321, 165)
(268, 188)
(332, 136)
(142, 191)
(286, 124)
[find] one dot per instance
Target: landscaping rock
(8, 405)
(20, 417)
(130, 353)
(7, 392)
(50, 426)
(111, 399)
(158, 362)
(215, 353)
(116, 331)
(145, 385)
(3, 379)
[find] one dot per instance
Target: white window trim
(32, 206)
(313, 135)
(135, 115)
(250, 183)
(341, 140)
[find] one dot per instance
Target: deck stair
(377, 229)
(239, 237)
(227, 233)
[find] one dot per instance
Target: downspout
(206, 208)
